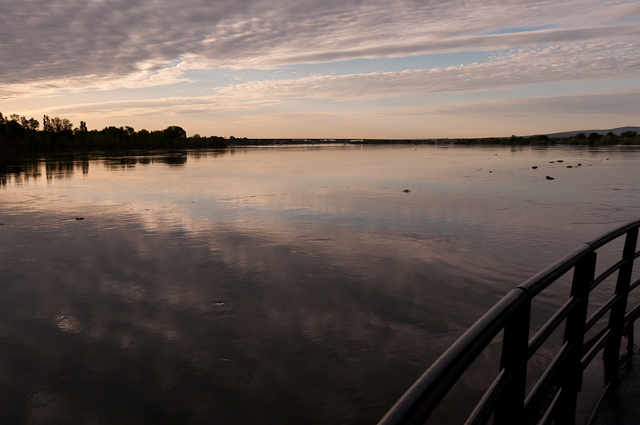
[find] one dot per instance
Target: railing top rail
(538, 282)
(615, 233)
(546, 277)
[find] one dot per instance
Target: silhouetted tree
(20, 135)
(61, 124)
(29, 124)
(46, 124)
(173, 133)
(594, 136)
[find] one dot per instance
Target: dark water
(276, 285)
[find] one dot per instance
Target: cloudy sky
(325, 68)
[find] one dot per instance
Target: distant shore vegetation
(19, 134)
(592, 139)
(584, 139)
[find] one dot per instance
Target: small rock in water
(549, 178)
(79, 218)
(560, 160)
(550, 162)
(535, 167)
(407, 190)
(569, 166)
(579, 165)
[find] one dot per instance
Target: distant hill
(616, 131)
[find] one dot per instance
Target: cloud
(488, 118)
(558, 63)
(140, 79)
(62, 44)
(171, 106)
(612, 103)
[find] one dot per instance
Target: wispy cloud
(488, 118)
(139, 79)
(73, 58)
(57, 44)
(557, 63)
(621, 103)
(171, 106)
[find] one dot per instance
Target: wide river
(281, 285)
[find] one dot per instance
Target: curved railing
(557, 388)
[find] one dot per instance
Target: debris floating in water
(549, 178)
(535, 167)
(407, 190)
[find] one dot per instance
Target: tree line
(593, 139)
(21, 135)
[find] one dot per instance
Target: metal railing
(558, 387)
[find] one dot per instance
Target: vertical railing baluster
(583, 275)
(630, 337)
(510, 408)
(616, 318)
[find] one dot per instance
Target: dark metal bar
(630, 338)
(630, 318)
(600, 312)
(552, 324)
(614, 234)
(586, 359)
(607, 273)
(485, 406)
(547, 377)
(537, 283)
(616, 318)
(632, 314)
(574, 335)
(549, 416)
(421, 399)
(504, 397)
(510, 406)
(634, 285)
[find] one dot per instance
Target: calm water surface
(276, 285)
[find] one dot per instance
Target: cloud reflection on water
(298, 286)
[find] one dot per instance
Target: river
(277, 285)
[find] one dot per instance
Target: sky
(324, 68)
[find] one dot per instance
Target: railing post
(630, 337)
(515, 343)
(616, 318)
(583, 275)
